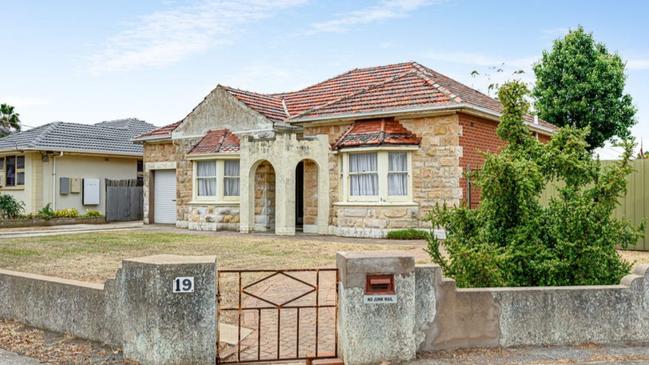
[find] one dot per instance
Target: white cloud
(638, 64)
(385, 9)
(165, 37)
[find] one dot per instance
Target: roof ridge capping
(46, 131)
(423, 72)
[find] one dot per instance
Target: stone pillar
(161, 327)
(285, 188)
(370, 333)
(246, 187)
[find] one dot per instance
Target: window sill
(12, 188)
(214, 202)
(376, 204)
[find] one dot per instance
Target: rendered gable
(220, 110)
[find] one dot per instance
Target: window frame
(350, 174)
(407, 172)
(382, 169)
(229, 197)
(196, 179)
(219, 197)
(17, 171)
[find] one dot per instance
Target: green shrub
(46, 212)
(408, 234)
(66, 213)
(511, 239)
(92, 214)
(10, 207)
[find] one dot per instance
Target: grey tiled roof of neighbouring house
(110, 137)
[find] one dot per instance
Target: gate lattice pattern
(271, 315)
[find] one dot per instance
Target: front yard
(96, 256)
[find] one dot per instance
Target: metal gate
(273, 315)
(124, 200)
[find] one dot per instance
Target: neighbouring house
(66, 164)
(359, 154)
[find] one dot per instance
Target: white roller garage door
(164, 204)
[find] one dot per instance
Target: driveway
(66, 229)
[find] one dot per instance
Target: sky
(90, 61)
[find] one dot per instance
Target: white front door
(164, 203)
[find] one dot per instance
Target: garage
(164, 204)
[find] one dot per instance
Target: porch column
(285, 198)
(323, 185)
(246, 191)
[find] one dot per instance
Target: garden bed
(37, 222)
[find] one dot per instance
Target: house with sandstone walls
(359, 154)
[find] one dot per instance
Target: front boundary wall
(137, 310)
(431, 314)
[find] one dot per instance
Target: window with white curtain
(397, 173)
(206, 178)
(377, 176)
(363, 174)
(231, 178)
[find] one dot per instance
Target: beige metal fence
(634, 206)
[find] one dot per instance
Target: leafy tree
(512, 239)
(581, 84)
(9, 120)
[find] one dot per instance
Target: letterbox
(379, 284)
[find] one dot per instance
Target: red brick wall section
(478, 136)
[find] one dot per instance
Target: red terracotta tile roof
(161, 132)
(271, 107)
(373, 89)
(215, 141)
(376, 132)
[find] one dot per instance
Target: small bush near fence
(514, 240)
(66, 213)
(408, 234)
(10, 207)
(91, 214)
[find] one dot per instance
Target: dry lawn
(95, 257)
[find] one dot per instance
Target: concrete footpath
(66, 229)
(9, 358)
(585, 354)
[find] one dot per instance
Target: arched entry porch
(264, 197)
(284, 152)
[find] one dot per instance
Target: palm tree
(9, 120)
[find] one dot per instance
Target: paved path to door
(67, 229)
(294, 335)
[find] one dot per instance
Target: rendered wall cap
(173, 260)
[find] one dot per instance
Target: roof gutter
(70, 150)
(140, 140)
(420, 110)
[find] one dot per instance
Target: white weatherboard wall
(164, 205)
(114, 168)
